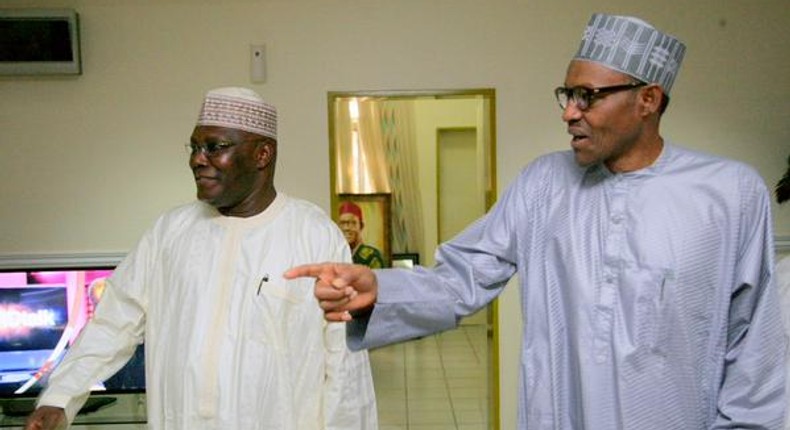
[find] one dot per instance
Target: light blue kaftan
(647, 297)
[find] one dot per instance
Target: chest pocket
(647, 296)
(275, 305)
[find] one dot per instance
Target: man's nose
(197, 158)
(571, 112)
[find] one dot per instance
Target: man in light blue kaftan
(623, 280)
(782, 192)
(645, 268)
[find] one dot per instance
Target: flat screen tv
(39, 42)
(43, 308)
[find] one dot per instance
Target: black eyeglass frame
(584, 97)
(209, 149)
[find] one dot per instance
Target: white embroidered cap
(634, 47)
(239, 108)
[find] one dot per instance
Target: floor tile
(435, 382)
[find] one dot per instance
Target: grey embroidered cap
(239, 108)
(634, 47)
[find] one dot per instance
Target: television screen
(31, 319)
(41, 314)
(35, 40)
(39, 42)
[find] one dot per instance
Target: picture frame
(376, 231)
(405, 260)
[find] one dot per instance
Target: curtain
(360, 161)
(376, 153)
(396, 122)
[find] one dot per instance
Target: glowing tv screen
(42, 311)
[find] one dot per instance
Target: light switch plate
(258, 63)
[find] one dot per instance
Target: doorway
(430, 155)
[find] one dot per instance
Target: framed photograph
(365, 221)
(405, 260)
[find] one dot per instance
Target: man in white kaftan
(229, 343)
(646, 269)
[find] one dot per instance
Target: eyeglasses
(583, 97)
(209, 149)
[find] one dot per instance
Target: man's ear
(650, 99)
(266, 153)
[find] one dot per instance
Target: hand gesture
(340, 288)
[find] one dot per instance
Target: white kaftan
(647, 297)
(229, 343)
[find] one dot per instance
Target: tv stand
(24, 407)
(98, 409)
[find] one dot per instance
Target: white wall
(88, 162)
(430, 116)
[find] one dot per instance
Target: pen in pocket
(260, 284)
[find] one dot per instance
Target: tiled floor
(437, 382)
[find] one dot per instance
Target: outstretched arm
(340, 288)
